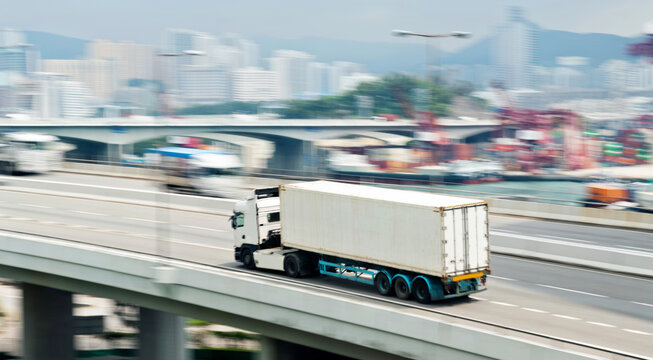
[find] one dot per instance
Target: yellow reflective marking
(467, 276)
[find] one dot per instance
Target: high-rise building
(292, 67)
(75, 100)
(255, 84)
(11, 37)
(228, 57)
(15, 54)
(178, 42)
(351, 82)
(338, 70)
(203, 85)
(100, 76)
(48, 95)
(132, 61)
(250, 51)
(318, 79)
(515, 51)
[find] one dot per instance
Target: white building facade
(514, 51)
(100, 76)
(255, 84)
(200, 85)
(292, 67)
(132, 61)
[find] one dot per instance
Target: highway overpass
(293, 138)
(106, 244)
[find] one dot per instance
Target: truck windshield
(217, 171)
(237, 220)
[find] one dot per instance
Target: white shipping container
(415, 231)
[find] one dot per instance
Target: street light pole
(162, 215)
(404, 33)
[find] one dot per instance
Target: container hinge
(444, 228)
(444, 241)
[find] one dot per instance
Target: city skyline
(360, 21)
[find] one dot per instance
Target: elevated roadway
(583, 306)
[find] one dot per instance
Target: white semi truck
(407, 243)
(25, 152)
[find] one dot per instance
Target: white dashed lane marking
(568, 239)
(146, 220)
(636, 332)
(570, 290)
(600, 324)
(37, 206)
(501, 278)
(635, 248)
(503, 303)
(565, 317)
(88, 213)
(201, 228)
(535, 310)
(643, 304)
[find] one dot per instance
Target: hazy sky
(366, 20)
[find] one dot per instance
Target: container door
(479, 237)
(466, 237)
(471, 225)
(454, 237)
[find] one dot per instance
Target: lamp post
(162, 200)
(404, 33)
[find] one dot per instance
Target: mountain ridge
(385, 57)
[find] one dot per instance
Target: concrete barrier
(578, 214)
(631, 262)
(132, 172)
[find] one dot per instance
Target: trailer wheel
(383, 284)
(248, 258)
(402, 289)
(291, 265)
(421, 291)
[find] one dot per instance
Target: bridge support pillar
(274, 349)
(114, 153)
(161, 336)
(294, 155)
(47, 323)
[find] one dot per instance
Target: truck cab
(257, 224)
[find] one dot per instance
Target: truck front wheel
(248, 258)
(291, 265)
(382, 284)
